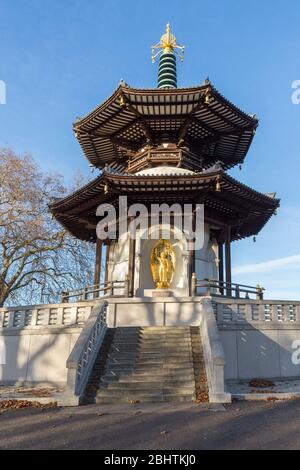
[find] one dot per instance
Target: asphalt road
(251, 425)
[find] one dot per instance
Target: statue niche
(163, 263)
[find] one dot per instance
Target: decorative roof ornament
(168, 44)
(167, 50)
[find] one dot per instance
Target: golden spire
(167, 44)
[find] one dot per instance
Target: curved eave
(77, 211)
(216, 128)
(88, 121)
(79, 195)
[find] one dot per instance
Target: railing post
(237, 291)
(64, 296)
(126, 286)
(259, 293)
(297, 313)
(84, 294)
(193, 285)
(208, 289)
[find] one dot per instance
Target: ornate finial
(167, 49)
(167, 45)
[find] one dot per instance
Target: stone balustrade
(45, 316)
(245, 311)
(84, 353)
(259, 337)
(213, 354)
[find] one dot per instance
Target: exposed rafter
(132, 118)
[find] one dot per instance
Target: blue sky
(60, 59)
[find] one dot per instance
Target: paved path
(242, 425)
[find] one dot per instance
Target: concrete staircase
(151, 364)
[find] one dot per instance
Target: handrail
(84, 353)
(214, 356)
(108, 288)
(223, 286)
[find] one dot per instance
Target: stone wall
(259, 337)
(167, 311)
(36, 341)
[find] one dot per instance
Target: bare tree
(38, 258)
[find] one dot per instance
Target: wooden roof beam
(77, 128)
(123, 143)
(146, 129)
(183, 130)
(197, 145)
(220, 116)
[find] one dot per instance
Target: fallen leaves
(261, 383)
(202, 397)
(32, 392)
(37, 391)
(21, 404)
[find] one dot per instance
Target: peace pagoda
(167, 145)
(163, 320)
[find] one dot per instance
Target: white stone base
(162, 293)
(176, 292)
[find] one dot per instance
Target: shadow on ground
(242, 425)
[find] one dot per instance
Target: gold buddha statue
(163, 263)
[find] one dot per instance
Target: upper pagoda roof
(198, 118)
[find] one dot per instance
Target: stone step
(150, 357)
(152, 336)
(173, 386)
(136, 392)
(165, 343)
(149, 331)
(154, 339)
(99, 400)
(151, 347)
(105, 400)
(170, 397)
(164, 340)
(123, 337)
(144, 378)
(152, 364)
(146, 372)
(147, 367)
(158, 336)
(169, 380)
(129, 393)
(162, 328)
(164, 354)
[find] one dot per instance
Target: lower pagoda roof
(226, 200)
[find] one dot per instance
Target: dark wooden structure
(195, 129)
(128, 131)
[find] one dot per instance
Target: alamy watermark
(2, 352)
(152, 222)
(296, 94)
(2, 92)
(296, 353)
